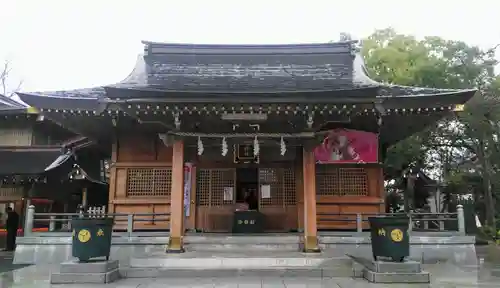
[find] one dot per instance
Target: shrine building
(195, 129)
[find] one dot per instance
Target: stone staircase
(229, 256)
(231, 264)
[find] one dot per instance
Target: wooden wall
(140, 180)
(345, 190)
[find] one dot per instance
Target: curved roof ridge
(8, 102)
(138, 75)
(79, 93)
(360, 74)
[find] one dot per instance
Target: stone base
(86, 273)
(389, 272)
(407, 278)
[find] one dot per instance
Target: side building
(39, 163)
(195, 128)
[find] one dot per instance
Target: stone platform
(98, 272)
(408, 272)
(54, 248)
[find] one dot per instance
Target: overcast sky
(66, 44)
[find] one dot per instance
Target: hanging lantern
(224, 146)
(256, 148)
(282, 146)
(200, 147)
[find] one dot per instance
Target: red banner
(348, 146)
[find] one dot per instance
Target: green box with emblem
(390, 237)
(91, 238)
(250, 221)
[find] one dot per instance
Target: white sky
(74, 44)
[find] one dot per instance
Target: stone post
(52, 223)
(30, 218)
(461, 219)
(130, 224)
(410, 224)
(359, 222)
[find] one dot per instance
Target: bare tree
(4, 74)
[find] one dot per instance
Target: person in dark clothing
(12, 226)
(252, 201)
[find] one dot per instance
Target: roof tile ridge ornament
(360, 74)
(12, 102)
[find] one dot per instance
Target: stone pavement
(444, 276)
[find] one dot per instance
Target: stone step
(242, 243)
(248, 260)
(229, 265)
(235, 247)
(159, 272)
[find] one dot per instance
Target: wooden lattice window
(282, 184)
(15, 137)
(147, 182)
(11, 191)
(211, 184)
(341, 181)
(203, 187)
(289, 187)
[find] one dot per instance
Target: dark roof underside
(26, 162)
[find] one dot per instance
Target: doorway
(247, 187)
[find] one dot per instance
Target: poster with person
(348, 146)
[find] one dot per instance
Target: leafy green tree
(470, 136)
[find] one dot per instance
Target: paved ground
(444, 276)
(6, 262)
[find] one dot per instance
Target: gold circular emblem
(397, 235)
(84, 235)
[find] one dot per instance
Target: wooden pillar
(310, 219)
(299, 184)
(175, 244)
(84, 198)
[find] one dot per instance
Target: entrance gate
(215, 207)
(280, 209)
